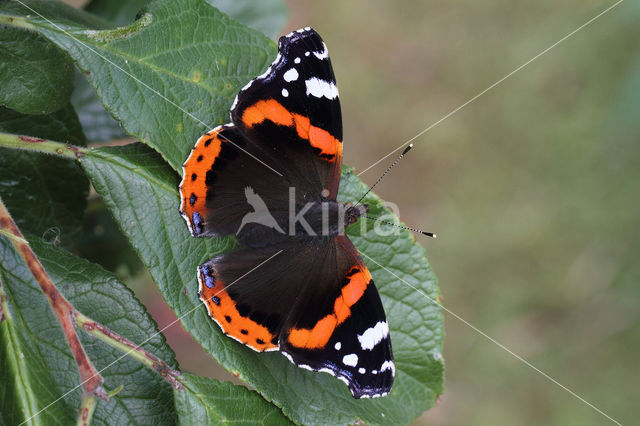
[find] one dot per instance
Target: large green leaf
(49, 371)
(141, 192)
(207, 401)
(99, 125)
(187, 59)
(45, 195)
(28, 384)
(35, 76)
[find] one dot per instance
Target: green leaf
(187, 59)
(51, 370)
(45, 195)
(265, 16)
(207, 401)
(97, 123)
(28, 385)
(35, 76)
(141, 192)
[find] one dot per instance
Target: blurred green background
(533, 190)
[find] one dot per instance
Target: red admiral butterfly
(315, 301)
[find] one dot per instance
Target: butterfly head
(352, 213)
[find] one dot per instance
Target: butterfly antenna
(385, 172)
(386, 222)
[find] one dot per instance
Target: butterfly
(295, 283)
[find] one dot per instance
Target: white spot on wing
(362, 370)
(291, 75)
(297, 60)
(388, 365)
(285, 92)
(319, 88)
(374, 335)
(307, 53)
(324, 54)
(351, 360)
(338, 346)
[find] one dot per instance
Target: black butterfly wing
(294, 110)
(249, 293)
(312, 299)
(275, 142)
(338, 325)
(223, 181)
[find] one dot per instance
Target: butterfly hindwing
(340, 327)
(315, 301)
(250, 307)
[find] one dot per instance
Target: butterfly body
(296, 283)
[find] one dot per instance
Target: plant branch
(70, 318)
(91, 379)
(30, 143)
(129, 348)
(85, 413)
(16, 21)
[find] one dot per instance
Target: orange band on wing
(318, 336)
(270, 110)
(273, 111)
(222, 308)
(193, 189)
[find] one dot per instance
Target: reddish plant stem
(131, 349)
(85, 413)
(91, 379)
(70, 318)
(45, 146)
